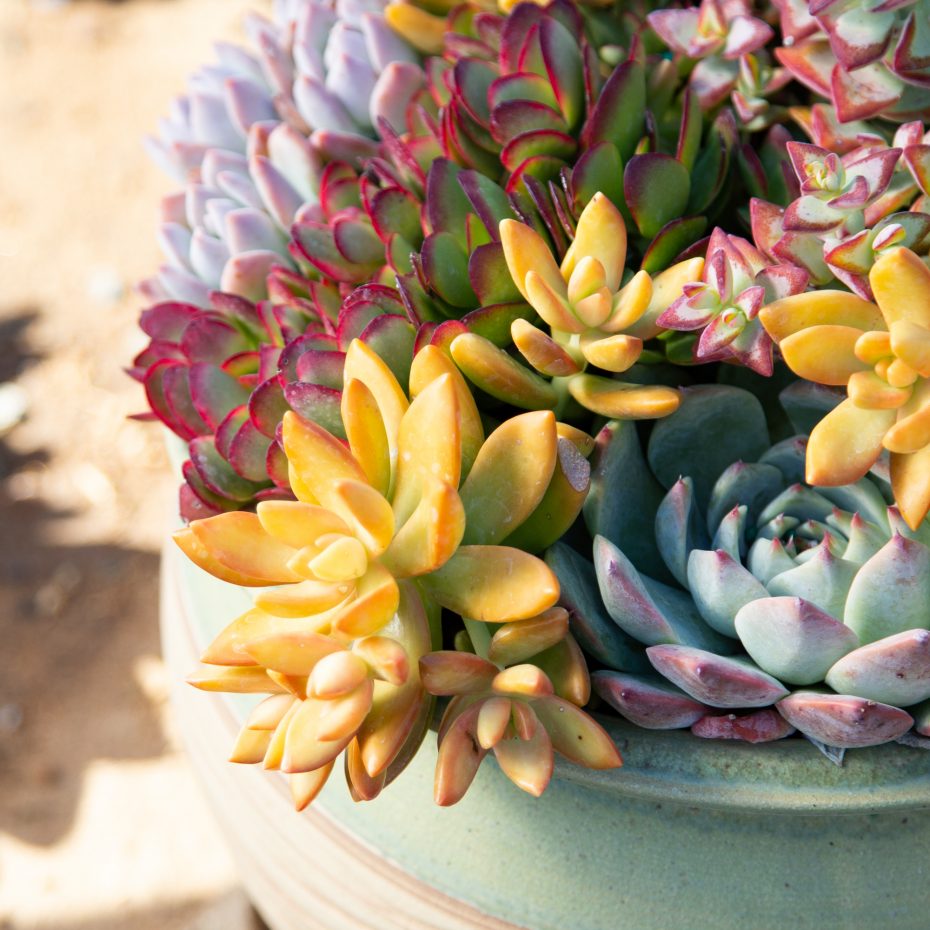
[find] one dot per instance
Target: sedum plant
(412, 517)
(881, 353)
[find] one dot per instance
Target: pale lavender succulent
(331, 70)
(230, 226)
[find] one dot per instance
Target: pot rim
(789, 775)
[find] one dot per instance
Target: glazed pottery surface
(688, 835)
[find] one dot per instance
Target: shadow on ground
(75, 621)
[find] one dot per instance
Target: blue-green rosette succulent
(738, 601)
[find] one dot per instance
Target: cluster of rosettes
(424, 250)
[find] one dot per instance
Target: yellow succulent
(592, 319)
(407, 517)
(881, 354)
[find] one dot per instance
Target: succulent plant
(868, 58)
(720, 37)
(424, 248)
(882, 355)
(768, 607)
(591, 319)
(850, 208)
(522, 702)
(419, 493)
(724, 305)
(330, 71)
(230, 225)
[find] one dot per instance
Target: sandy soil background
(101, 825)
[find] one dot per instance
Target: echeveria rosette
(415, 513)
(725, 303)
(591, 319)
(881, 353)
(773, 609)
(230, 226)
(331, 71)
(717, 34)
(869, 58)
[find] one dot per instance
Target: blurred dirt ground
(101, 825)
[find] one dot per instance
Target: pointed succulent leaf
(647, 700)
(559, 507)
(318, 458)
(238, 542)
(898, 575)
(431, 534)
(566, 667)
(518, 641)
(792, 639)
(493, 584)
(249, 680)
(792, 314)
(718, 681)
(618, 116)
(376, 602)
(527, 763)
(649, 611)
(824, 580)
(621, 400)
(428, 444)
(720, 587)
(751, 485)
(679, 529)
(500, 375)
(460, 755)
(842, 720)
(591, 626)
(509, 477)
(863, 498)
(625, 497)
(656, 188)
(365, 431)
(575, 735)
(894, 670)
(761, 726)
(445, 673)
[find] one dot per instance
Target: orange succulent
(881, 354)
(405, 518)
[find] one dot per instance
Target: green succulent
(741, 602)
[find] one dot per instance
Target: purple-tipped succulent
(721, 36)
(724, 305)
(738, 600)
(871, 58)
(851, 206)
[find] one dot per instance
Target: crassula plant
(538, 362)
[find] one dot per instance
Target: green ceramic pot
(688, 835)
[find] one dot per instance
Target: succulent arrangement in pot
(542, 363)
